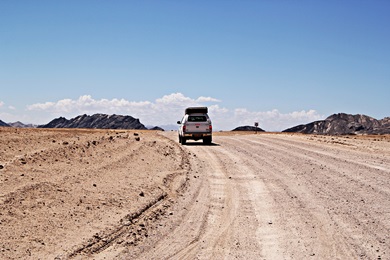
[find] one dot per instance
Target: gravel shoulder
(76, 194)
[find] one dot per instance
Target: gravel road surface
(102, 194)
(284, 197)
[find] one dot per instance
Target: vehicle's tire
(179, 139)
(207, 140)
(183, 140)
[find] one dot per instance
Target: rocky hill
(342, 124)
(156, 128)
(3, 124)
(19, 124)
(248, 128)
(97, 121)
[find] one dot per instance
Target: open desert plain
(120, 194)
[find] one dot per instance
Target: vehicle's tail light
(184, 128)
(210, 128)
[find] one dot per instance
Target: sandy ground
(98, 194)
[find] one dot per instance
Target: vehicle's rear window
(197, 118)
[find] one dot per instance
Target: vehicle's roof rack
(193, 110)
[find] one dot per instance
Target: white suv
(195, 125)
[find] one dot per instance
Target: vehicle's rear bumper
(197, 135)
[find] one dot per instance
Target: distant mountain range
(336, 124)
(21, 125)
(169, 127)
(343, 124)
(97, 121)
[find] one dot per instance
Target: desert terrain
(136, 194)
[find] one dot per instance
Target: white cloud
(207, 99)
(1, 103)
(175, 98)
(86, 104)
(170, 108)
(8, 117)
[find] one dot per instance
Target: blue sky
(280, 63)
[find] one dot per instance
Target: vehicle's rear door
(197, 124)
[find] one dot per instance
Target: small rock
(65, 143)
(136, 134)
(1, 167)
(94, 185)
(137, 138)
(142, 194)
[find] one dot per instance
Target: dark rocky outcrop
(344, 124)
(97, 121)
(385, 122)
(156, 128)
(3, 124)
(248, 128)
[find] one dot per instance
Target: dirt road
(284, 197)
(125, 195)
